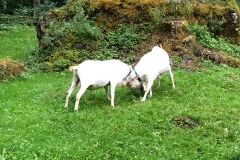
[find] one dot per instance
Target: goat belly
(98, 84)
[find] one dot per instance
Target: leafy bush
(171, 9)
(82, 40)
(78, 29)
(12, 6)
(156, 15)
(120, 42)
(208, 40)
(72, 36)
(124, 37)
(216, 26)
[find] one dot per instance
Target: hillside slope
(128, 29)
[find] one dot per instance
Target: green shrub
(208, 40)
(172, 9)
(72, 42)
(63, 38)
(78, 29)
(216, 26)
(157, 15)
(124, 37)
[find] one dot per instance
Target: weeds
(208, 40)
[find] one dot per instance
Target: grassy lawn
(17, 42)
(34, 124)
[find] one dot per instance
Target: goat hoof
(143, 100)
(75, 110)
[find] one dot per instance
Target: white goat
(151, 66)
(94, 74)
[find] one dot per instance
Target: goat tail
(75, 76)
(170, 61)
(160, 45)
(73, 69)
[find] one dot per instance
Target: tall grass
(17, 41)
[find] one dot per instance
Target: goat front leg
(158, 81)
(171, 76)
(79, 95)
(145, 88)
(150, 92)
(113, 86)
(148, 88)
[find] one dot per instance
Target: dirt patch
(218, 58)
(190, 66)
(186, 122)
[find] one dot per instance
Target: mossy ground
(106, 29)
(10, 68)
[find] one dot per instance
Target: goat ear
(160, 43)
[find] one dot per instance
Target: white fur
(151, 65)
(94, 74)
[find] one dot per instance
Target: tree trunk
(36, 3)
(37, 22)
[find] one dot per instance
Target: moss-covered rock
(10, 68)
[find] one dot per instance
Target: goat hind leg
(150, 93)
(148, 88)
(72, 87)
(107, 91)
(158, 81)
(171, 76)
(113, 86)
(79, 95)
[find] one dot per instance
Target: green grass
(17, 42)
(35, 125)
